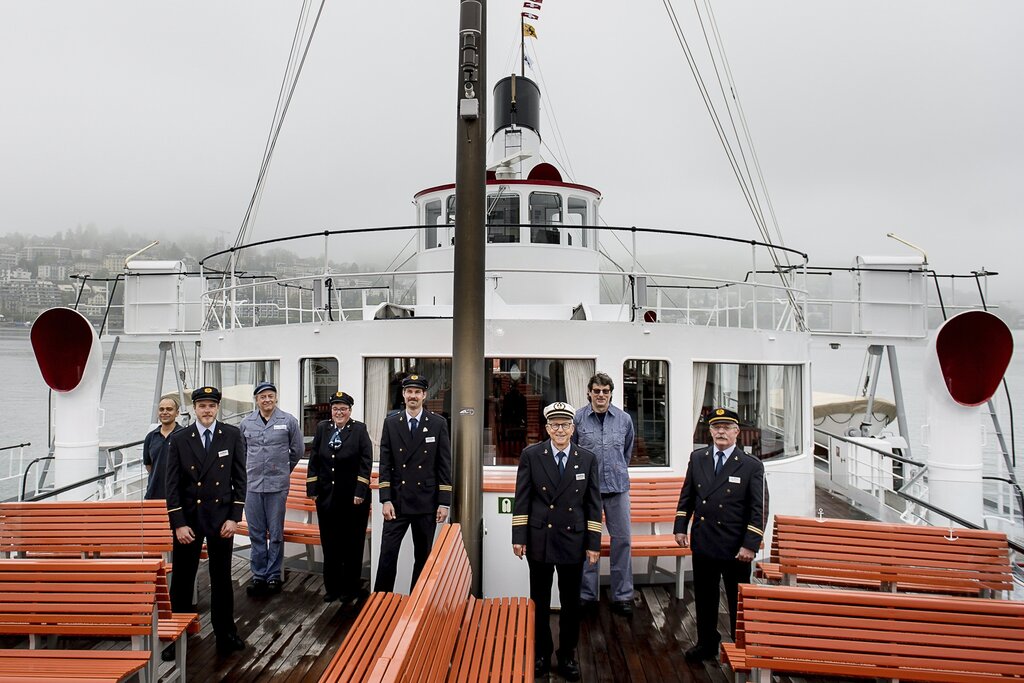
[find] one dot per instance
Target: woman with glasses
(339, 482)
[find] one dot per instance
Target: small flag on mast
(531, 5)
(529, 31)
(530, 16)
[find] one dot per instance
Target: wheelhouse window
(645, 399)
(545, 213)
(576, 215)
(318, 379)
(236, 381)
(431, 217)
(518, 390)
(503, 218)
(768, 399)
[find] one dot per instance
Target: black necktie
(719, 461)
(207, 438)
(413, 424)
(561, 463)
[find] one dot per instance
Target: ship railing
(124, 462)
(759, 302)
(12, 464)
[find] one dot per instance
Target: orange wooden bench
(172, 626)
(102, 599)
(136, 528)
(889, 557)
(439, 632)
(867, 634)
(653, 501)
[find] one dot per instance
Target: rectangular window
(518, 390)
(318, 379)
(768, 399)
(236, 381)
(576, 213)
(431, 217)
(545, 210)
(645, 399)
(503, 218)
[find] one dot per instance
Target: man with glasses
(556, 525)
(720, 516)
(607, 431)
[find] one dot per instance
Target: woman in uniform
(339, 482)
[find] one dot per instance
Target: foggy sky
(868, 117)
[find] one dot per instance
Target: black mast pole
(468, 295)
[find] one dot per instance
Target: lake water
(127, 402)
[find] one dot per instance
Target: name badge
(222, 454)
(280, 426)
(580, 476)
(431, 439)
(734, 480)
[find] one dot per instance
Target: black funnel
(516, 101)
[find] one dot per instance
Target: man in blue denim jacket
(607, 431)
(275, 445)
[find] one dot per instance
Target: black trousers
(569, 578)
(222, 596)
(343, 538)
(423, 528)
(708, 572)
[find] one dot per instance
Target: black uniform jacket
(557, 517)
(723, 512)
(205, 490)
(337, 476)
(415, 469)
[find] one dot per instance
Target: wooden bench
(102, 599)
(653, 501)
(172, 626)
(867, 634)
(439, 632)
(889, 557)
(85, 529)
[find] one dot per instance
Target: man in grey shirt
(607, 431)
(275, 445)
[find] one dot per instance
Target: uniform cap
(264, 386)
(723, 415)
(559, 409)
(342, 397)
(206, 394)
(418, 381)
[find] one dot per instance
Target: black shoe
(589, 608)
(699, 653)
(569, 668)
(542, 667)
(168, 654)
(229, 643)
(256, 588)
(274, 586)
(330, 597)
(623, 607)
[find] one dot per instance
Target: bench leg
(180, 649)
(761, 675)
(680, 578)
(309, 557)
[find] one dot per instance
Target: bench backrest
(94, 598)
(297, 499)
(654, 501)
(424, 638)
(879, 635)
(906, 554)
(90, 528)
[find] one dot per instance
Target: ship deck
(293, 635)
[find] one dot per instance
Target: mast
(468, 281)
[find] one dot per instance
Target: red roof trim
(541, 183)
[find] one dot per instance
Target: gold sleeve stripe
(445, 487)
(520, 522)
(239, 502)
(757, 531)
(174, 509)
(384, 484)
(310, 480)
(520, 516)
(594, 526)
(680, 513)
(363, 479)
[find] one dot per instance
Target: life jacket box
(891, 296)
(161, 298)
